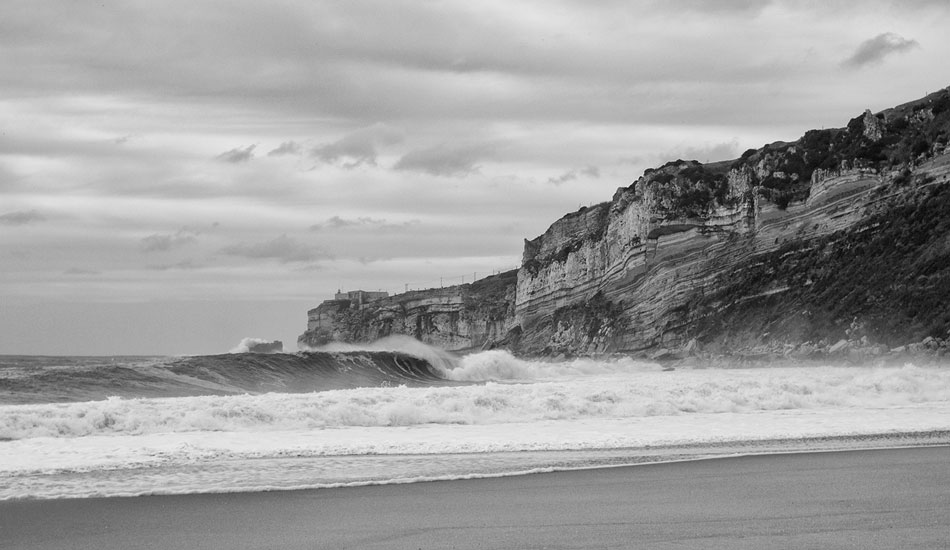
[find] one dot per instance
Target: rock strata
(769, 251)
(458, 318)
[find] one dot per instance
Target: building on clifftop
(360, 297)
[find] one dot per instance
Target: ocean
(401, 412)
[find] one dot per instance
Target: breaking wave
(601, 396)
(70, 379)
(245, 345)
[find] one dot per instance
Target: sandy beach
(896, 498)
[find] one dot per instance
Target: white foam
(440, 359)
(244, 346)
(501, 365)
(225, 461)
(614, 405)
(603, 396)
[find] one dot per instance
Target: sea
(402, 412)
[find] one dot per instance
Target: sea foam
(624, 408)
(616, 393)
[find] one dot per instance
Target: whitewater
(402, 412)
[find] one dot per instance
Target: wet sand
(895, 498)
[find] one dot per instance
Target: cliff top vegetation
(782, 172)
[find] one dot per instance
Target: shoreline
(896, 497)
(513, 464)
(503, 464)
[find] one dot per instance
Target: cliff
(841, 235)
(792, 243)
(457, 318)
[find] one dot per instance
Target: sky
(177, 176)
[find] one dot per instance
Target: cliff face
(458, 318)
(844, 233)
(677, 258)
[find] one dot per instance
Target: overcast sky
(175, 176)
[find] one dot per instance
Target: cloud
(286, 148)
(80, 271)
(337, 223)
(443, 160)
(705, 6)
(283, 248)
(236, 156)
(21, 218)
(182, 265)
(591, 171)
(571, 175)
(162, 243)
(359, 147)
(706, 153)
(874, 50)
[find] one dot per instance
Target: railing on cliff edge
(443, 281)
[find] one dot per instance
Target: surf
(65, 380)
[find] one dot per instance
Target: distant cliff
(840, 236)
(461, 317)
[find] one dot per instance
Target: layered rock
(649, 269)
(458, 318)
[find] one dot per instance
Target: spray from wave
(249, 344)
(494, 365)
(443, 361)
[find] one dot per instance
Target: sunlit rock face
(786, 250)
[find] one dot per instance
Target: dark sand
(897, 498)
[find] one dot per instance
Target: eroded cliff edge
(843, 234)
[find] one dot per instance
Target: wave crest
(606, 396)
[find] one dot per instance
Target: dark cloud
(444, 160)
(433, 61)
(286, 148)
(238, 155)
(705, 6)
(571, 175)
(184, 265)
(563, 178)
(80, 271)
(359, 147)
(21, 218)
(591, 171)
(362, 62)
(283, 248)
(162, 243)
(874, 50)
(337, 223)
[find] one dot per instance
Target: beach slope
(896, 498)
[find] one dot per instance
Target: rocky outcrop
(275, 346)
(789, 247)
(457, 318)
